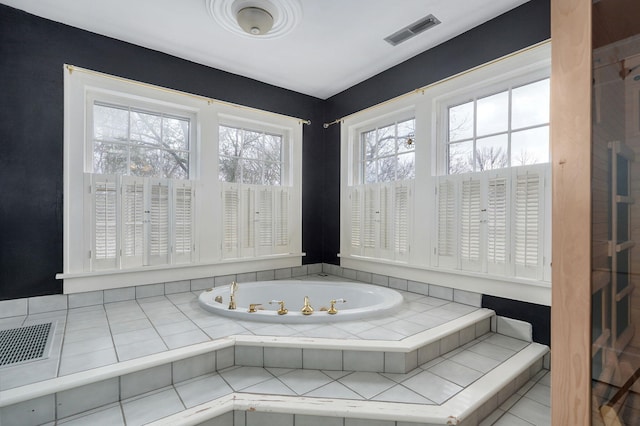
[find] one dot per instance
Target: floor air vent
(412, 30)
(23, 344)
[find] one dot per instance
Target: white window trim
(80, 88)
(427, 103)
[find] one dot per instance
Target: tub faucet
(232, 294)
(332, 310)
(306, 309)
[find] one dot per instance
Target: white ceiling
(338, 43)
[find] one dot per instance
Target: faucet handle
(282, 310)
(253, 307)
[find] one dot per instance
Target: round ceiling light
(262, 19)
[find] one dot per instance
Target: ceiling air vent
(412, 30)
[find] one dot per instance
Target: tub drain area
(22, 344)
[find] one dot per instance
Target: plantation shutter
(356, 220)
(158, 223)
(132, 214)
(282, 220)
(446, 222)
(183, 243)
(385, 215)
(230, 214)
(402, 213)
(370, 220)
(497, 224)
(527, 222)
(104, 248)
(470, 224)
(265, 220)
(248, 219)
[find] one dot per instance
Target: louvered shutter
(183, 221)
(265, 220)
(248, 221)
(402, 213)
(527, 223)
(385, 220)
(446, 222)
(356, 220)
(104, 250)
(470, 224)
(132, 216)
(282, 220)
(158, 232)
(230, 214)
(497, 224)
(370, 219)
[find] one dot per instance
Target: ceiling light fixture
(255, 21)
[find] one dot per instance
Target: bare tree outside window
(139, 143)
(389, 152)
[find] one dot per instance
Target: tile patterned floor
(99, 335)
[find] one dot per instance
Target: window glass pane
(370, 172)
(406, 166)
(461, 122)
(491, 153)
(493, 114)
(173, 165)
(110, 158)
(530, 146)
(272, 174)
(369, 145)
(387, 169)
(230, 139)
(146, 129)
(175, 133)
(530, 105)
(252, 172)
(145, 162)
(406, 135)
(110, 124)
(460, 157)
(229, 169)
(252, 146)
(386, 141)
(272, 147)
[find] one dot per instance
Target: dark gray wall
(32, 54)
(33, 50)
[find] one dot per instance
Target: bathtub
(360, 301)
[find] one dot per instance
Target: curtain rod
(72, 68)
(422, 89)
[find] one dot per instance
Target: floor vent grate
(23, 344)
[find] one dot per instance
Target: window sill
(76, 282)
(527, 290)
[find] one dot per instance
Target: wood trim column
(571, 240)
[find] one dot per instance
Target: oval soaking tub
(360, 301)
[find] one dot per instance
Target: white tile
(449, 343)
(483, 327)
(467, 298)
(400, 362)
(202, 389)
(381, 280)
(132, 325)
(225, 419)
(247, 277)
(439, 292)
(87, 397)
(380, 333)
(250, 356)
(305, 420)
(322, 359)
(299, 271)
(276, 330)
(202, 284)
(492, 351)
(540, 393)
(456, 373)
(349, 274)
(41, 304)
(135, 336)
(314, 268)
(189, 368)
(367, 385)
(110, 416)
(176, 327)
(432, 387)
(14, 308)
(257, 418)
(119, 294)
(270, 387)
(475, 361)
(283, 273)
(266, 275)
(224, 358)
(283, 357)
(242, 377)
(24, 374)
(185, 339)
(153, 406)
(398, 284)
(87, 361)
(363, 361)
(177, 287)
(492, 418)
(418, 287)
(428, 352)
(364, 277)
(29, 413)
(89, 298)
(404, 327)
(136, 350)
(399, 393)
(144, 381)
(149, 290)
(303, 381)
(224, 330)
(367, 422)
(509, 419)
(334, 390)
(335, 375)
(514, 328)
(506, 342)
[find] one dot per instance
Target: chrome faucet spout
(232, 294)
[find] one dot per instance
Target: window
(508, 128)
(166, 186)
(388, 152)
(256, 191)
